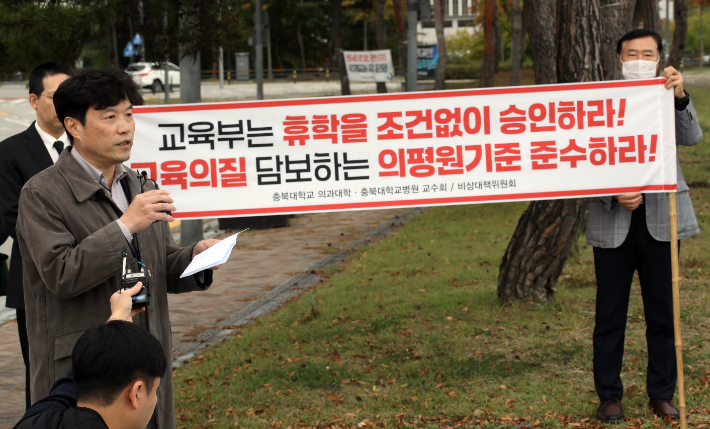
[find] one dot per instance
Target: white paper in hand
(215, 255)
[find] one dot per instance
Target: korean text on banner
(369, 66)
(410, 149)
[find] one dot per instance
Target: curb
(287, 290)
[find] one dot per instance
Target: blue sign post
(137, 40)
(129, 51)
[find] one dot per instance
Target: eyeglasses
(50, 97)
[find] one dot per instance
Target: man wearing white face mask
(631, 232)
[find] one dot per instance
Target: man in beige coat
(75, 219)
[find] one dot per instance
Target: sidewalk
(697, 80)
(261, 261)
(210, 91)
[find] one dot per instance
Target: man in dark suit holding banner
(631, 232)
(21, 157)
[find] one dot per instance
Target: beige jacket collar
(81, 184)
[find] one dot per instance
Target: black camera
(130, 278)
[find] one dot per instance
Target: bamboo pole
(676, 306)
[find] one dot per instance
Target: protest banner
(427, 57)
(369, 66)
(410, 149)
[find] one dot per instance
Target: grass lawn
(409, 333)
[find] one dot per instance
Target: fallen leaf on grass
(544, 399)
(333, 397)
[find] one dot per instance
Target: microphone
(143, 178)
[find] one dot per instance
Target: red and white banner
(410, 149)
(369, 66)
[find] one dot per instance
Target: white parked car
(152, 75)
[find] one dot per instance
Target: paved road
(16, 115)
(210, 91)
(697, 80)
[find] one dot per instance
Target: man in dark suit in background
(21, 157)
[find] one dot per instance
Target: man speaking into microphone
(76, 219)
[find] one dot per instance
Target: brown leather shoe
(610, 411)
(664, 408)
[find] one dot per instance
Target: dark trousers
(614, 270)
(25, 346)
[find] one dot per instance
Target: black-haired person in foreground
(113, 382)
(75, 219)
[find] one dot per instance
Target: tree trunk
(402, 33)
(380, 33)
(702, 52)
(364, 34)
(616, 21)
(499, 38)
(651, 15)
(680, 15)
(637, 16)
(489, 50)
(579, 41)
(440, 79)
(517, 43)
(300, 46)
(338, 59)
(277, 51)
(540, 17)
(548, 230)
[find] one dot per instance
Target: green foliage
(463, 71)
(692, 41)
(35, 32)
(464, 47)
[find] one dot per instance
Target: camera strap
(133, 252)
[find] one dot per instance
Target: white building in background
(457, 16)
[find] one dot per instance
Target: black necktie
(59, 146)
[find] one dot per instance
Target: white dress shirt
(118, 197)
(49, 142)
